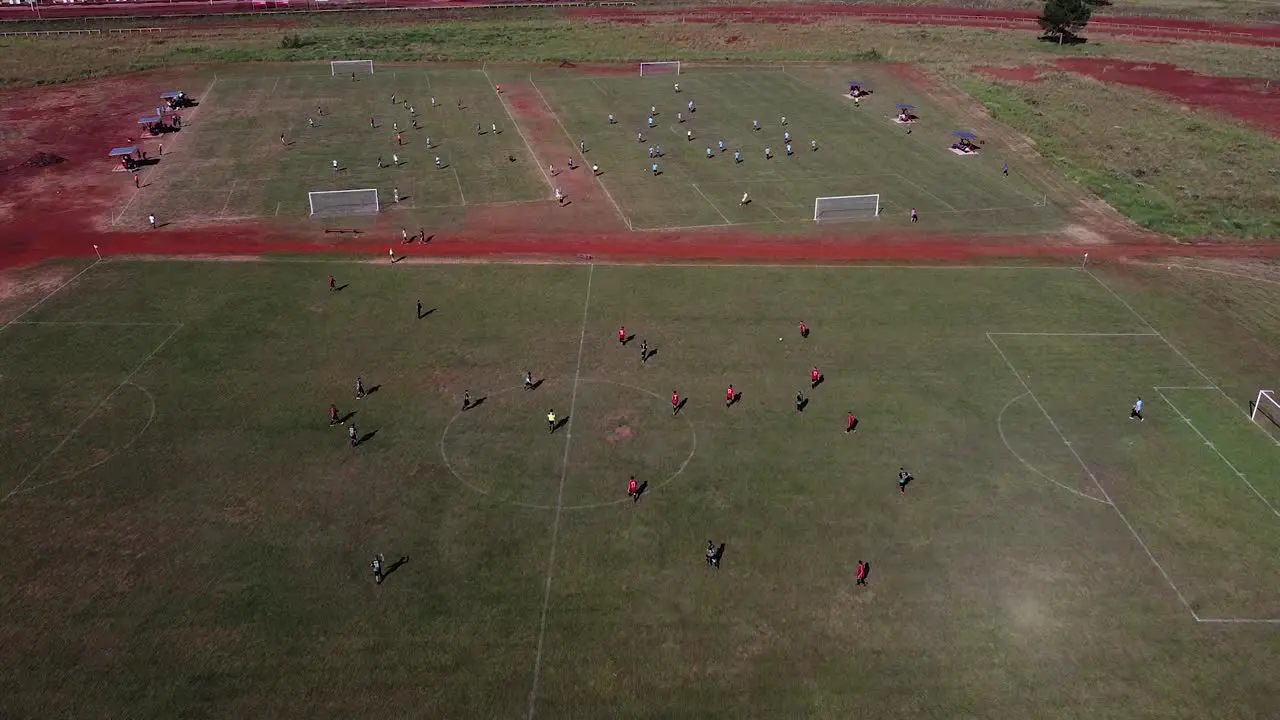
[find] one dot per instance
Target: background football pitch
(185, 536)
(229, 163)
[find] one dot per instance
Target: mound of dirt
(41, 159)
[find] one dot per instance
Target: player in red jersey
(622, 335)
(851, 424)
(861, 572)
(730, 395)
(333, 415)
(331, 285)
(804, 330)
(633, 489)
(675, 402)
(815, 377)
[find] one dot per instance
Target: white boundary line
(555, 522)
(481, 260)
(96, 323)
(1029, 466)
(458, 180)
(532, 155)
(66, 438)
(52, 292)
(1094, 478)
(623, 216)
(1218, 452)
(703, 195)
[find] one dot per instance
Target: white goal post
(1266, 406)
(351, 66)
(344, 202)
(666, 67)
(846, 207)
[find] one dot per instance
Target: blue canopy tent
(149, 120)
(905, 106)
(117, 152)
(855, 88)
(966, 144)
(965, 135)
(855, 83)
(171, 94)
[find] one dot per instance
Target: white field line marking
(427, 75)
(1271, 621)
(950, 207)
(1075, 334)
(273, 90)
(223, 211)
(151, 417)
(625, 220)
(52, 292)
(1143, 320)
(66, 438)
(597, 86)
(1242, 276)
(679, 228)
(158, 168)
(527, 146)
(555, 523)
(458, 180)
(1094, 478)
(1029, 466)
(713, 205)
(1185, 387)
(1218, 452)
(771, 212)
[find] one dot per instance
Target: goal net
(846, 207)
(666, 67)
(342, 67)
(344, 202)
(1266, 410)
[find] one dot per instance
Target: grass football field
(229, 163)
(186, 536)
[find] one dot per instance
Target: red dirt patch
(1018, 74)
(1248, 99)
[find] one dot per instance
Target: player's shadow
(442, 166)
(536, 384)
(640, 490)
(718, 557)
(560, 423)
(737, 395)
(628, 339)
(804, 403)
(343, 420)
(402, 199)
(394, 566)
(680, 405)
(652, 352)
(341, 287)
(815, 383)
(366, 437)
(566, 202)
(373, 389)
(425, 313)
(867, 576)
(476, 403)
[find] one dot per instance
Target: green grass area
(187, 536)
(1168, 169)
(231, 165)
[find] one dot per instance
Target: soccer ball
(779, 339)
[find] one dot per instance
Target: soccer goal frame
(346, 66)
(846, 207)
(344, 202)
(663, 67)
(1265, 404)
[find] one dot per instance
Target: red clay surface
(1267, 35)
(1249, 99)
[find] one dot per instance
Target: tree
(1064, 19)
